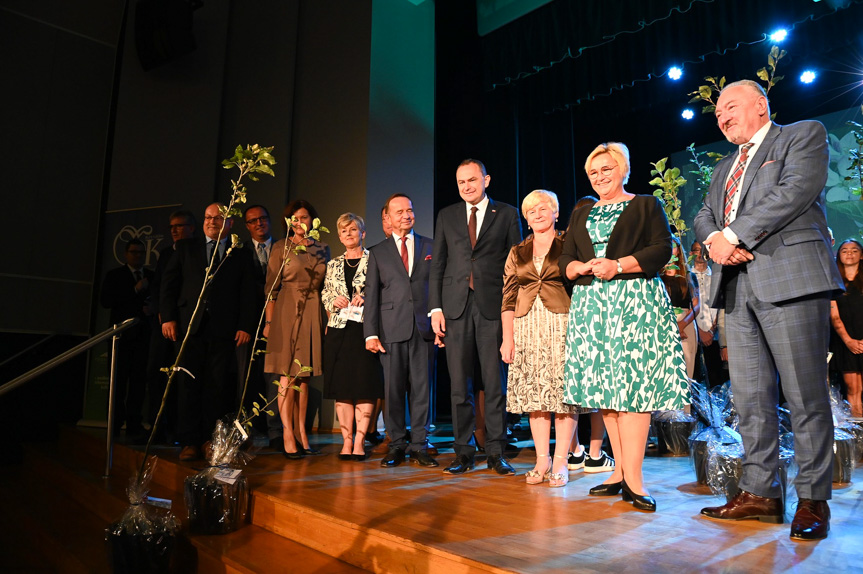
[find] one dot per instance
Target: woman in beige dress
(295, 320)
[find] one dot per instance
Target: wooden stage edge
(417, 520)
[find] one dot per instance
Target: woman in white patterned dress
(534, 316)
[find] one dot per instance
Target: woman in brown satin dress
(295, 320)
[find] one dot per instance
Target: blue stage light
(808, 77)
(674, 73)
(687, 114)
(778, 35)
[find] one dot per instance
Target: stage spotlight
(675, 73)
(778, 35)
(687, 114)
(808, 77)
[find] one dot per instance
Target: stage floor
(419, 520)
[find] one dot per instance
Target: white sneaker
(576, 461)
(602, 464)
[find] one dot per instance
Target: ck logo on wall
(151, 240)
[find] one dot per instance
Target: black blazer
(229, 304)
(453, 259)
(641, 231)
(118, 294)
(395, 302)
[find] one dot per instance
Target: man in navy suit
(126, 291)
(765, 225)
(396, 325)
(226, 319)
(472, 240)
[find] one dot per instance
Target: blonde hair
(616, 150)
(536, 197)
(346, 219)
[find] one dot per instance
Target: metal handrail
(28, 349)
(62, 358)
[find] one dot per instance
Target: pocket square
(767, 162)
(428, 258)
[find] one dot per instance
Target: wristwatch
(619, 268)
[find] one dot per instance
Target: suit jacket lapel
(720, 176)
(488, 218)
(757, 160)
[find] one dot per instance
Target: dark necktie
(404, 253)
(137, 276)
(211, 247)
(471, 231)
(733, 185)
(471, 226)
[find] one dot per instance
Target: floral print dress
(622, 345)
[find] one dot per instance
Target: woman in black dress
(352, 375)
(846, 314)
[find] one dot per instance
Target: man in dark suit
(162, 351)
(226, 319)
(765, 225)
(125, 291)
(472, 240)
(396, 325)
(257, 220)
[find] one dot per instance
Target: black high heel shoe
(641, 502)
(611, 489)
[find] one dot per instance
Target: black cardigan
(641, 231)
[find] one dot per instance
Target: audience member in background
(623, 351)
(352, 375)
(295, 322)
(125, 291)
(846, 314)
(684, 299)
(534, 316)
(706, 320)
(162, 351)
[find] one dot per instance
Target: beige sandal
(558, 479)
(536, 477)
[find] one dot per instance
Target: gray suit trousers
(789, 339)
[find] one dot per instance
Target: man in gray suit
(396, 325)
(765, 225)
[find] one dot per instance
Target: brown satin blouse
(521, 282)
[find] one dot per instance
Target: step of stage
(71, 520)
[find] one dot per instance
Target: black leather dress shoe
(611, 489)
(393, 458)
(500, 465)
(293, 455)
(639, 501)
(422, 458)
(460, 465)
(343, 456)
(748, 506)
(811, 521)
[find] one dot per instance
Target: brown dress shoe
(747, 506)
(190, 453)
(811, 521)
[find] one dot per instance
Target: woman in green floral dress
(623, 350)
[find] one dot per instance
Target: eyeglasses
(179, 225)
(605, 171)
(213, 218)
(262, 219)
